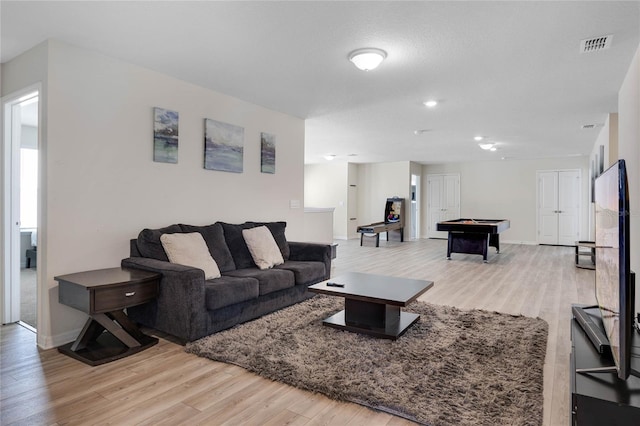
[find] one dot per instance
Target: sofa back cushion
(277, 230)
(214, 237)
(149, 244)
(238, 247)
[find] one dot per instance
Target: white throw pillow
(263, 247)
(190, 249)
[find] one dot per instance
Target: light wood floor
(165, 385)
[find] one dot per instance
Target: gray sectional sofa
(190, 307)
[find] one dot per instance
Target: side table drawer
(120, 297)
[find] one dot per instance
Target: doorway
(415, 207)
(21, 123)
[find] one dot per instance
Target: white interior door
(568, 207)
(443, 201)
(558, 207)
(451, 195)
(548, 207)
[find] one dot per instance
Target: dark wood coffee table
(372, 303)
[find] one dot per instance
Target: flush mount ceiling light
(430, 104)
(478, 138)
(487, 146)
(367, 59)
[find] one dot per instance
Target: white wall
(608, 138)
(376, 183)
(629, 150)
(415, 169)
(103, 186)
(506, 190)
(325, 186)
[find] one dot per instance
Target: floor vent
(595, 44)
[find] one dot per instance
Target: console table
(103, 294)
(600, 398)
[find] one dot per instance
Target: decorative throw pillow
(190, 250)
(263, 247)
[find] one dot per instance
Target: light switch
(294, 204)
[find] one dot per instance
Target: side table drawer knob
(129, 294)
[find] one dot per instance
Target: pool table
(473, 236)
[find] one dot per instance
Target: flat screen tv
(614, 279)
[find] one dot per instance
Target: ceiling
(509, 71)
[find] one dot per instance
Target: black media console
(601, 398)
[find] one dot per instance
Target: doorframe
(10, 267)
(416, 193)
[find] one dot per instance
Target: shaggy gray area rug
(452, 367)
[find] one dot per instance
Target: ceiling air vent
(595, 44)
(592, 126)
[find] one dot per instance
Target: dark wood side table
(104, 294)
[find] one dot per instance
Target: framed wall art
(267, 153)
(165, 135)
(223, 146)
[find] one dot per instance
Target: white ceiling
(510, 71)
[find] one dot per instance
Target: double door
(558, 207)
(443, 201)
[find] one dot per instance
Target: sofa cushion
(214, 237)
(278, 231)
(269, 280)
(263, 247)
(190, 249)
(235, 241)
(238, 248)
(306, 273)
(149, 244)
(227, 291)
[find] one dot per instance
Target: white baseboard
(50, 342)
(527, 243)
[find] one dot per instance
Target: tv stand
(601, 399)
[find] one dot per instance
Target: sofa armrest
(180, 308)
(312, 252)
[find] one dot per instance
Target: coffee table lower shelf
(392, 330)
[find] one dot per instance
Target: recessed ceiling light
(430, 104)
(329, 157)
(487, 146)
(478, 138)
(420, 131)
(367, 59)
